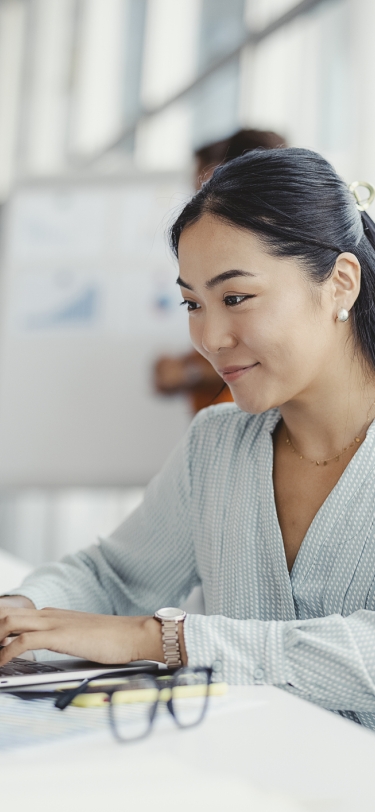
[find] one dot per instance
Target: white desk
(274, 742)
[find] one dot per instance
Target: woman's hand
(102, 638)
(16, 600)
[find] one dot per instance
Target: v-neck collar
(321, 527)
(330, 512)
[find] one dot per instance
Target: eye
(190, 305)
(232, 301)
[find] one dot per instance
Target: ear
(345, 281)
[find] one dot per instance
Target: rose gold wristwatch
(169, 618)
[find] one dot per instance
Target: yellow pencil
(100, 698)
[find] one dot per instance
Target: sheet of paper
(30, 722)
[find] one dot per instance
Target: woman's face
(254, 316)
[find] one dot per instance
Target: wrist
(149, 642)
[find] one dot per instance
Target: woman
(268, 503)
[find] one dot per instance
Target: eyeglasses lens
(133, 706)
(189, 696)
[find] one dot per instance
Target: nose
(216, 336)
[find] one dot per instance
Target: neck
(331, 412)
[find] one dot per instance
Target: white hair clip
(362, 202)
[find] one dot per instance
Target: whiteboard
(88, 301)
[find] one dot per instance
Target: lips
(232, 373)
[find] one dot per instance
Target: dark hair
(299, 207)
(220, 152)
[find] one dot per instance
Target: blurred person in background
(190, 373)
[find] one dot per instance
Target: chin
(251, 405)
(255, 402)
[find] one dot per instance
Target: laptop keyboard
(19, 667)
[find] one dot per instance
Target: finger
(14, 610)
(16, 601)
(24, 611)
(7, 641)
(23, 622)
(28, 641)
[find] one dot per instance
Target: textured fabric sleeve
(148, 562)
(330, 660)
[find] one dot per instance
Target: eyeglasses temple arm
(67, 697)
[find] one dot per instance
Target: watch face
(170, 613)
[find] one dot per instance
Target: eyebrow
(216, 280)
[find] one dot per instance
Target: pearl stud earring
(342, 314)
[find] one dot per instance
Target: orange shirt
(199, 400)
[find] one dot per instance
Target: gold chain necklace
(336, 457)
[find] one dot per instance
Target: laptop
(21, 673)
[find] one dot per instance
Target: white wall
(12, 44)
(40, 525)
(170, 52)
(98, 87)
(361, 114)
(312, 81)
(46, 87)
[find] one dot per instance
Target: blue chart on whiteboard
(94, 259)
(65, 298)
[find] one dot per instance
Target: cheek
(286, 335)
(262, 335)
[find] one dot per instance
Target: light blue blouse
(209, 518)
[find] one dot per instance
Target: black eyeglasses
(133, 700)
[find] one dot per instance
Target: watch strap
(171, 643)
